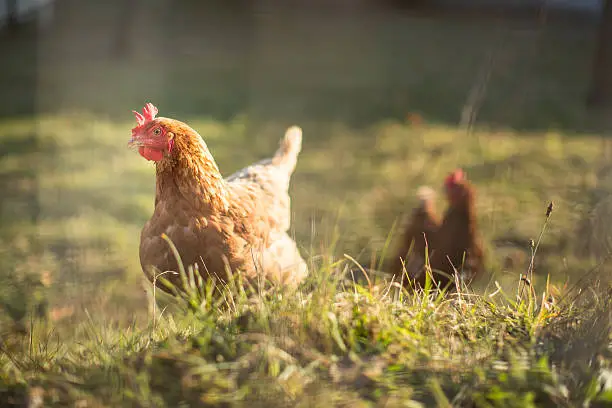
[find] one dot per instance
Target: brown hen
(418, 236)
(457, 243)
(236, 223)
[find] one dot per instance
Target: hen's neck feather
(190, 172)
(462, 212)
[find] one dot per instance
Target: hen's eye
(157, 131)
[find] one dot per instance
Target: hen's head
(153, 136)
(458, 189)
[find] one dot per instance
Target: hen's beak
(135, 142)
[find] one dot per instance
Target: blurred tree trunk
(124, 31)
(600, 93)
(11, 12)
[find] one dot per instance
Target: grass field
(380, 99)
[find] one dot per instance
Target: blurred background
(391, 94)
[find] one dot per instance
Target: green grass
(331, 343)
(78, 324)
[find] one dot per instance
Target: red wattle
(150, 154)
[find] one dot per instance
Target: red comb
(454, 178)
(148, 114)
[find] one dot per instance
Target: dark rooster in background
(458, 247)
(236, 223)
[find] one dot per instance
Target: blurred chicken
(237, 223)
(418, 235)
(457, 245)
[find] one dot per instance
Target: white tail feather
(290, 147)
